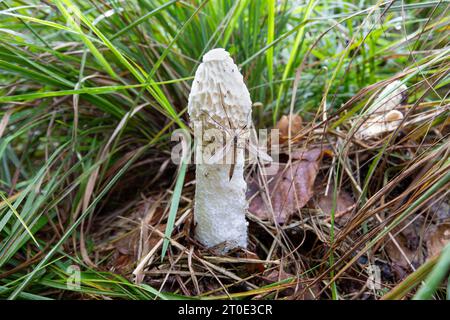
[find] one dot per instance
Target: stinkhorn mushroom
(219, 100)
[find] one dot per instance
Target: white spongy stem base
(220, 206)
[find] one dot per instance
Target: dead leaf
(307, 292)
(253, 268)
(126, 255)
(280, 275)
(438, 237)
(398, 257)
(344, 206)
(441, 211)
(277, 275)
(408, 251)
(309, 155)
(283, 126)
(128, 245)
(290, 189)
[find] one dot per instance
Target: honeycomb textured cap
(217, 54)
(218, 93)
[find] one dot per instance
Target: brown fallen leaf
(344, 206)
(307, 292)
(441, 211)
(122, 264)
(290, 189)
(277, 275)
(408, 251)
(310, 154)
(124, 256)
(253, 268)
(126, 253)
(283, 126)
(397, 257)
(280, 275)
(128, 245)
(437, 238)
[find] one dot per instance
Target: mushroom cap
(219, 95)
(217, 54)
(393, 115)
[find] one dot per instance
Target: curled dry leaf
(290, 189)
(283, 126)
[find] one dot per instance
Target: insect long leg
(233, 163)
(233, 144)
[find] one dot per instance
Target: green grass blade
(174, 207)
(436, 277)
(11, 207)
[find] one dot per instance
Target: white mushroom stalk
(219, 102)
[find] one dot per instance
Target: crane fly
(232, 144)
